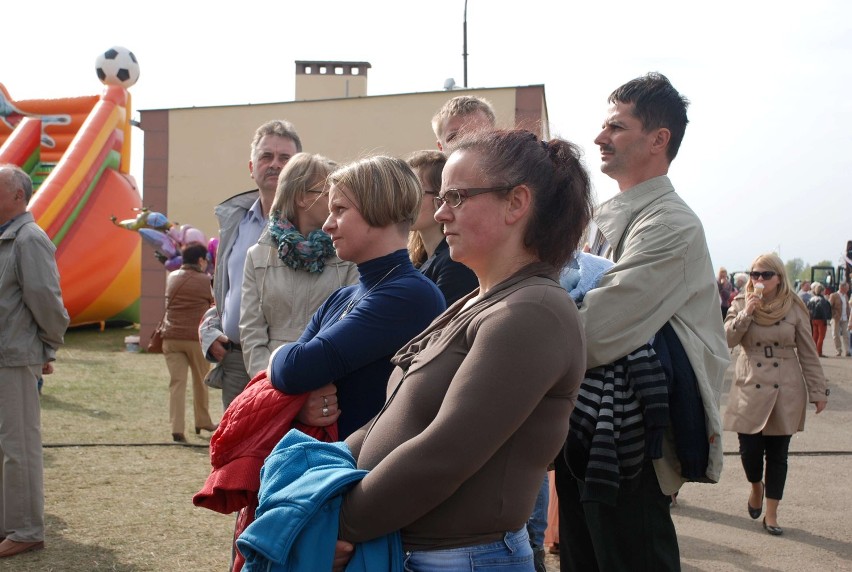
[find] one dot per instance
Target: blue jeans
(537, 523)
(512, 554)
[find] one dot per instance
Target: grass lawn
(118, 492)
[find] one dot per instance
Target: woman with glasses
(478, 403)
(777, 374)
(427, 247)
(293, 267)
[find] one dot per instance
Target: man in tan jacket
(840, 319)
(662, 275)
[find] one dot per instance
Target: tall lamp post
(464, 47)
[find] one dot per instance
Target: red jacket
(250, 428)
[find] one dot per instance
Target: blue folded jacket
(302, 484)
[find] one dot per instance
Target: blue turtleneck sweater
(391, 304)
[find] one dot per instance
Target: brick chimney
(330, 80)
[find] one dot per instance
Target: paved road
(717, 535)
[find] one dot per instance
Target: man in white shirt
(840, 319)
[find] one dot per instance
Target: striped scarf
(621, 413)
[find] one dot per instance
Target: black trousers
(636, 535)
(753, 449)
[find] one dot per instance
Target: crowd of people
(414, 317)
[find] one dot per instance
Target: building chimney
(330, 80)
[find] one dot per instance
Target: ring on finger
(324, 401)
(325, 411)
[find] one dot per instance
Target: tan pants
(21, 461)
(840, 333)
(180, 355)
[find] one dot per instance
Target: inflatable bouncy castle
(77, 151)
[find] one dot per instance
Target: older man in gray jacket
(34, 321)
(242, 219)
(662, 276)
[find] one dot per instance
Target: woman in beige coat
(777, 374)
(293, 268)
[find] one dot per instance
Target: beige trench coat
(776, 375)
(278, 302)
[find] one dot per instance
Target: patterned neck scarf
(296, 251)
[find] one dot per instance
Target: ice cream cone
(758, 290)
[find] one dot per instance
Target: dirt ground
(118, 491)
(717, 535)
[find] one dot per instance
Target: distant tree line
(799, 271)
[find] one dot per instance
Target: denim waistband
(510, 540)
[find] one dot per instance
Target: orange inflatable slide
(77, 151)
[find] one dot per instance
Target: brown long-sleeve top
(188, 296)
(478, 406)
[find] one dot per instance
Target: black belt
(234, 346)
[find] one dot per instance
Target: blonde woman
(777, 374)
(293, 267)
(343, 356)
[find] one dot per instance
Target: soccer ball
(117, 66)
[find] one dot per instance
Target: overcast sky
(766, 158)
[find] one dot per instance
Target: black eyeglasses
(455, 197)
(766, 275)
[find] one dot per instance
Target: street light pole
(464, 47)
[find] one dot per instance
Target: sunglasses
(766, 275)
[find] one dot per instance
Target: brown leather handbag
(155, 344)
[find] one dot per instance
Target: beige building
(195, 158)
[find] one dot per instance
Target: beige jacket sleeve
(254, 329)
(637, 296)
(736, 325)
